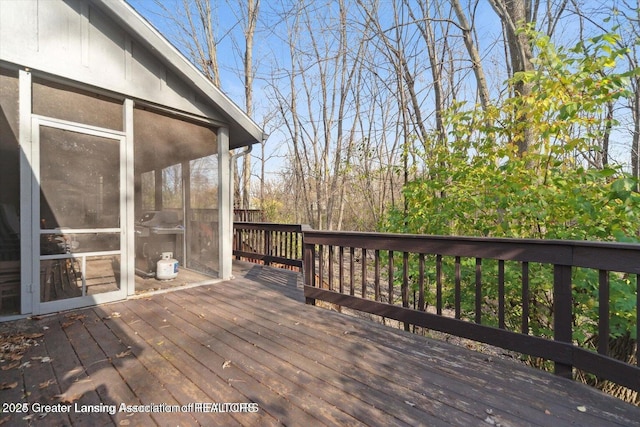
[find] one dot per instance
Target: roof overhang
(243, 130)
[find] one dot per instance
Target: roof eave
(243, 130)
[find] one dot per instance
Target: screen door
(79, 190)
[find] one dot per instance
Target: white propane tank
(167, 267)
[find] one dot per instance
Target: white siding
(74, 39)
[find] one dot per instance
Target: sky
(230, 62)
(270, 50)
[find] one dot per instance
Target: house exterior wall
(73, 62)
(74, 39)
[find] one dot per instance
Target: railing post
(308, 262)
(562, 316)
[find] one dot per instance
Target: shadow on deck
(252, 339)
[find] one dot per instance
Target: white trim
(225, 194)
(79, 230)
(78, 255)
(78, 127)
(26, 187)
(127, 262)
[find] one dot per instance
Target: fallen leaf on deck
(35, 335)
(409, 403)
(8, 386)
(46, 359)
(46, 384)
(115, 315)
(75, 316)
(25, 365)
(65, 325)
(582, 408)
(64, 398)
(34, 317)
(547, 412)
(11, 366)
(123, 354)
(226, 364)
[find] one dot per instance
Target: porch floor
(252, 339)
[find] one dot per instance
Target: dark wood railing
(268, 243)
(248, 215)
(377, 273)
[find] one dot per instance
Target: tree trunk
(474, 55)
(514, 14)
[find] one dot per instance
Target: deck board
(252, 339)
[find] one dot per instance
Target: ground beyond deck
(253, 339)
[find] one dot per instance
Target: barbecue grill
(156, 232)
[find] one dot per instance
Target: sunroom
(114, 156)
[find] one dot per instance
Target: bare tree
(474, 55)
(250, 20)
(319, 108)
(196, 25)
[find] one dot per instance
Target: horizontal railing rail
(248, 215)
(269, 243)
(406, 277)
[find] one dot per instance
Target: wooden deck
(253, 339)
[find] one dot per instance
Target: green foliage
(478, 184)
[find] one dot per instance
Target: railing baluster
(457, 289)
(331, 267)
(439, 285)
(603, 312)
(269, 235)
(405, 284)
(421, 305)
(525, 298)
(282, 243)
(341, 268)
(377, 274)
(296, 241)
(478, 290)
(390, 277)
(351, 268)
(364, 273)
(405, 279)
(321, 265)
(501, 323)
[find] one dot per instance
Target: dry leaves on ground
(68, 398)
(8, 386)
(13, 347)
(46, 384)
(123, 354)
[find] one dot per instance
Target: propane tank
(167, 267)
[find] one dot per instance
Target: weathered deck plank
(253, 339)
